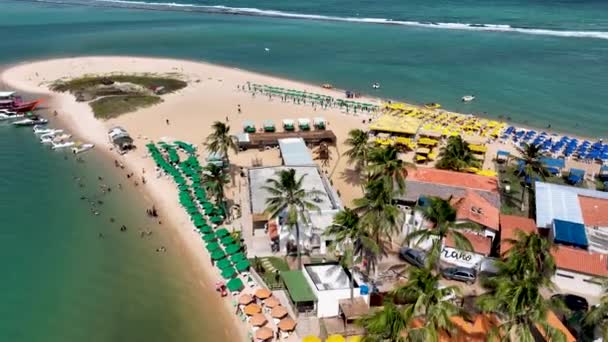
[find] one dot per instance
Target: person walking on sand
(238, 107)
(167, 121)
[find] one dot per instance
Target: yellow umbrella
(311, 338)
(335, 338)
(356, 338)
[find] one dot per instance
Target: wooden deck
(272, 138)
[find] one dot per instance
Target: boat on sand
(31, 122)
(63, 144)
(79, 148)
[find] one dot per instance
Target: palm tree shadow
(352, 177)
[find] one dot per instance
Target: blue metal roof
(295, 152)
(570, 233)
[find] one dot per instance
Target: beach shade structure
(205, 229)
(227, 240)
(232, 249)
(213, 246)
(242, 265)
(223, 264)
(271, 302)
(287, 324)
(238, 257)
(269, 126)
(216, 219)
(311, 338)
(258, 320)
(304, 124)
(289, 125)
(222, 232)
(263, 293)
(356, 338)
(234, 284)
(252, 309)
(576, 176)
(209, 237)
(264, 334)
(228, 273)
(335, 338)
(278, 312)
(319, 123)
(248, 126)
(245, 299)
(217, 255)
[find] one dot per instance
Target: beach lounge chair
(269, 126)
(304, 124)
(248, 126)
(289, 125)
(319, 123)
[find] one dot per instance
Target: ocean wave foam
(281, 14)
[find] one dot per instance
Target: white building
(330, 282)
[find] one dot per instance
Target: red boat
(8, 100)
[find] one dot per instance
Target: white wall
(461, 258)
(328, 300)
(576, 283)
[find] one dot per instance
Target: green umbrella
(218, 254)
(213, 246)
(243, 265)
(205, 229)
(238, 257)
(222, 232)
(228, 273)
(224, 263)
(235, 284)
(232, 249)
(215, 219)
(209, 237)
(227, 240)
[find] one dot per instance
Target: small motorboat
(51, 138)
(432, 105)
(31, 122)
(376, 85)
(468, 98)
(63, 144)
(79, 148)
(41, 130)
(7, 115)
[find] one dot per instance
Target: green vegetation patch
(113, 106)
(112, 95)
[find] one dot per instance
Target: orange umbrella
(263, 293)
(264, 334)
(252, 309)
(278, 312)
(272, 302)
(258, 320)
(287, 324)
(245, 299)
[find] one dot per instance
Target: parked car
(414, 256)
(573, 302)
(464, 274)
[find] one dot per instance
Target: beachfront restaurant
(397, 127)
(120, 138)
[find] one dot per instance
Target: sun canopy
(297, 286)
(570, 233)
(553, 162)
(393, 124)
(478, 148)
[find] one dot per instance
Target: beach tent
(249, 126)
(235, 284)
(232, 249)
(288, 125)
(269, 126)
(553, 165)
(218, 254)
(304, 124)
(228, 273)
(319, 123)
(224, 263)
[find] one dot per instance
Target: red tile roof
(475, 208)
(452, 178)
(509, 225)
(581, 261)
(595, 211)
(481, 244)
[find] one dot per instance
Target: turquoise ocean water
(537, 62)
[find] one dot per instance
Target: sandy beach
(212, 95)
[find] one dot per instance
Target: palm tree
(515, 292)
(384, 163)
(456, 155)
(287, 195)
(359, 147)
(379, 216)
(443, 216)
(348, 231)
(387, 324)
(598, 316)
(220, 141)
(424, 315)
(531, 168)
(215, 179)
